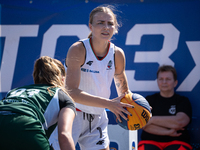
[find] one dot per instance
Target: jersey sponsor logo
(172, 110)
(89, 63)
(100, 142)
(8, 101)
(88, 70)
(109, 66)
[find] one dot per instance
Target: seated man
(171, 113)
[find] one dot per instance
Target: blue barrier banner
(153, 33)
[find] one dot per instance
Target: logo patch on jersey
(109, 66)
(88, 70)
(172, 110)
(89, 63)
(100, 142)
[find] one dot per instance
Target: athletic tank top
(96, 75)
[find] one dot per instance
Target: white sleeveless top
(96, 76)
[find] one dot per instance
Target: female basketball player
(29, 114)
(92, 64)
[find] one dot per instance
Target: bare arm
(65, 121)
(167, 125)
(158, 130)
(178, 121)
(120, 79)
(75, 58)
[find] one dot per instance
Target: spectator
(171, 113)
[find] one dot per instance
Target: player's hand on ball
(118, 108)
(141, 113)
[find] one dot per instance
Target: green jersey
(36, 101)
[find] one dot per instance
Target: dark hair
(105, 9)
(165, 68)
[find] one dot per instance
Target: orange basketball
(141, 112)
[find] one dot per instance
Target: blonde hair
(105, 9)
(49, 71)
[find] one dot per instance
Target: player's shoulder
(118, 49)
(63, 96)
(76, 54)
(77, 49)
(119, 53)
(77, 46)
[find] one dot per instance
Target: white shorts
(90, 135)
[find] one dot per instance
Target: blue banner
(152, 33)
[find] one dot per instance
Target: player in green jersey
(29, 114)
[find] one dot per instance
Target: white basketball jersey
(96, 76)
